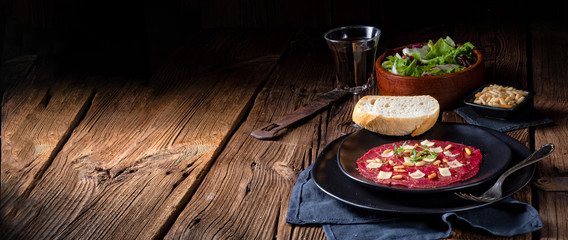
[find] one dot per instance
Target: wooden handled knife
(269, 131)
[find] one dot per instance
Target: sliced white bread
(396, 115)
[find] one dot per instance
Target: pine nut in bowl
(500, 101)
(448, 88)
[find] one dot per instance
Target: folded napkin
(309, 205)
(530, 119)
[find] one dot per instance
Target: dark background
(136, 36)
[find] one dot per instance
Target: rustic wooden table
(97, 156)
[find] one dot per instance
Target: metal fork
(495, 192)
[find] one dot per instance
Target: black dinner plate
(329, 178)
(496, 154)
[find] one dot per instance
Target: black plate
(328, 177)
(495, 153)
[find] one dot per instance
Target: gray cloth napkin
(309, 205)
(530, 119)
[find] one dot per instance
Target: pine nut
(499, 96)
(396, 177)
(409, 164)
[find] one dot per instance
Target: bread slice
(396, 115)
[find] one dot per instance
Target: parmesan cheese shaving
(445, 172)
(427, 143)
(450, 154)
(384, 175)
(373, 165)
(387, 154)
(417, 174)
(407, 147)
(436, 149)
(429, 159)
(455, 164)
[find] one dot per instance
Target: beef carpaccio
(420, 164)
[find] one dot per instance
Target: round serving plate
(329, 178)
(496, 154)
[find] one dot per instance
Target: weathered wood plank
(551, 87)
(15, 71)
(503, 47)
(246, 192)
(141, 150)
(263, 14)
(37, 119)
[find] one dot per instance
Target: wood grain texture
(551, 87)
(327, 14)
(504, 47)
(37, 119)
(245, 194)
(14, 71)
(263, 14)
(141, 150)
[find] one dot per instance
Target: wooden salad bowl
(449, 89)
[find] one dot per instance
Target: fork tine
(487, 199)
(470, 197)
(495, 192)
(464, 196)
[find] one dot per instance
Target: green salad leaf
(432, 59)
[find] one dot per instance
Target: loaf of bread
(396, 115)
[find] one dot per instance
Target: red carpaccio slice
(450, 162)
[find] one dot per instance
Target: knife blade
(269, 131)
